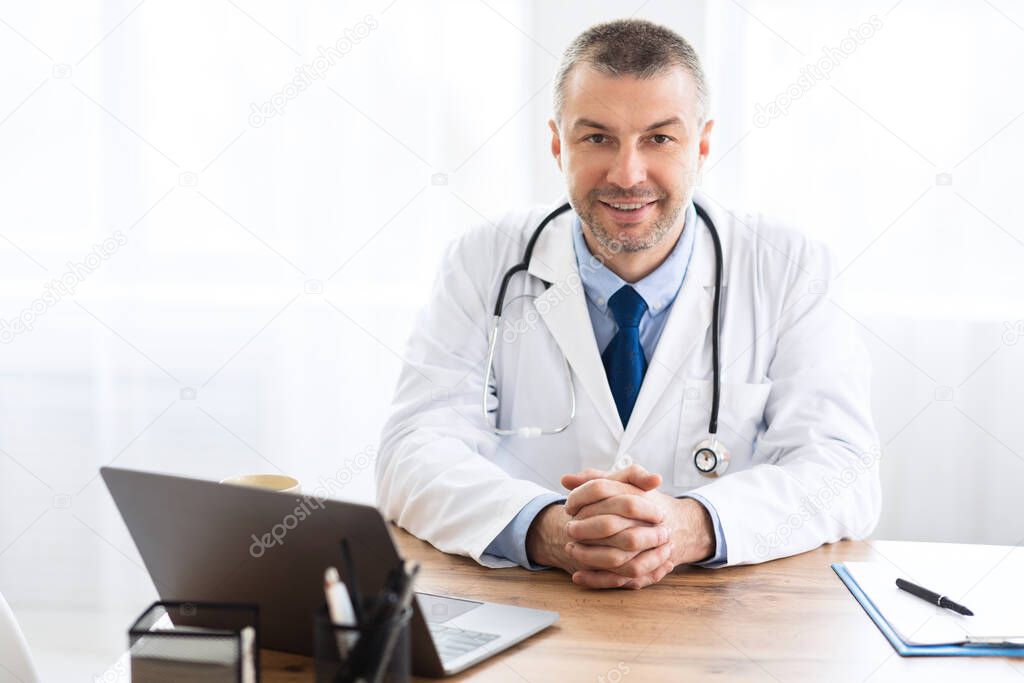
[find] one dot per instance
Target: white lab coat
(794, 412)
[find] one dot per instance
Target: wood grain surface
(782, 621)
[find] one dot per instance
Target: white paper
(992, 589)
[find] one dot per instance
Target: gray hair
(633, 47)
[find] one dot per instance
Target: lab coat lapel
(685, 329)
(563, 308)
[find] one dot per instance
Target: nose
(628, 168)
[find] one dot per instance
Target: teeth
(626, 207)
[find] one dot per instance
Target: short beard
(632, 244)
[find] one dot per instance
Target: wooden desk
(787, 620)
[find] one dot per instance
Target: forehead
(628, 102)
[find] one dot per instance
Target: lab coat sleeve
(815, 478)
(433, 473)
(510, 544)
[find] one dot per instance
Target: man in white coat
(621, 287)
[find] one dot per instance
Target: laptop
(207, 542)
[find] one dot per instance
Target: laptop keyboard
(455, 642)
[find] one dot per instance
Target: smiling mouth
(628, 206)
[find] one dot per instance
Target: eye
(661, 139)
(596, 138)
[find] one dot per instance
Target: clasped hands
(617, 530)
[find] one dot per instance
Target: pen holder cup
(344, 654)
(175, 640)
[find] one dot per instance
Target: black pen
(934, 598)
(366, 661)
(404, 591)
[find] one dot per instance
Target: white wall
(904, 159)
(139, 121)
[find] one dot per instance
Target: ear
(556, 143)
(705, 143)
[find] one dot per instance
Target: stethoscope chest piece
(711, 458)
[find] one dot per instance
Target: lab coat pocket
(740, 422)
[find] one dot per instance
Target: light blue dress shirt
(659, 290)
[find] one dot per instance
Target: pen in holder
(374, 653)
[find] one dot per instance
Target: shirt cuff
(721, 555)
(510, 544)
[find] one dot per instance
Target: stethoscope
(710, 457)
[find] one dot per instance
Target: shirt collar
(658, 288)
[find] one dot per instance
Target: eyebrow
(589, 123)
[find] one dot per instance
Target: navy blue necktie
(623, 359)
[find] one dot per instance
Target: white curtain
(891, 131)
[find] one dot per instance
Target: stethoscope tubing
(524, 265)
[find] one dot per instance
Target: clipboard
(904, 649)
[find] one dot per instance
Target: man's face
(627, 141)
